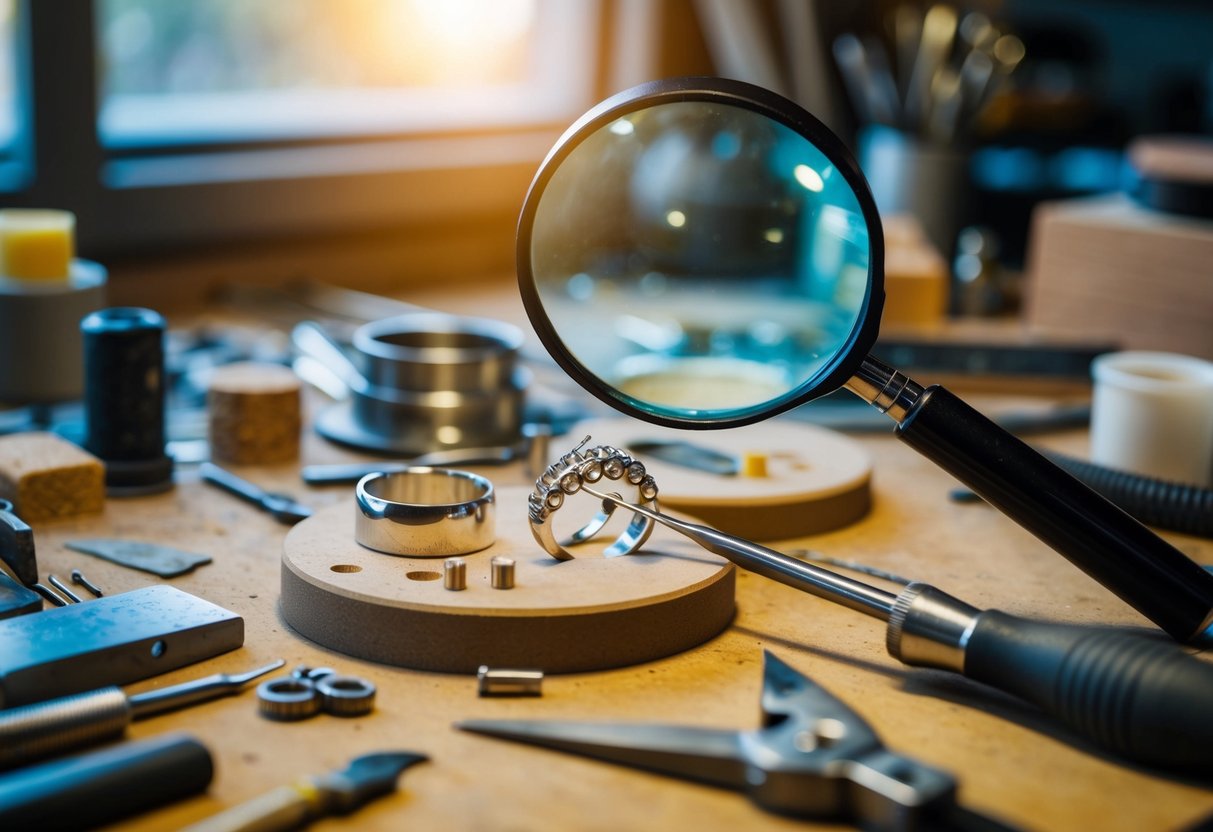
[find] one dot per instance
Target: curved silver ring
(425, 512)
(567, 475)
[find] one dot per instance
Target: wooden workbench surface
(1010, 762)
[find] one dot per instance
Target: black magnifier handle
(1146, 572)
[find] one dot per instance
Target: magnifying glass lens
(700, 261)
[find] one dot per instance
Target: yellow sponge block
(48, 478)
(36, 244)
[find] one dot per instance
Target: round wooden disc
(589, 613)
(816, 480)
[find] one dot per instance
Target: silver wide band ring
(567, 475)
(425, 512)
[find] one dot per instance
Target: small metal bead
(502, 570)
(455, 574)
(636, 472)
(648, 488)
(613, 468)
(554, 499)
(591, 471)
(570, 483)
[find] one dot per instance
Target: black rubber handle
(104, 786)
(1137, 695)
(1096, 536)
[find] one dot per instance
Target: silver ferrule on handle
(929, 628)
(884, 388)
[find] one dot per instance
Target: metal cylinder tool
(124, 398)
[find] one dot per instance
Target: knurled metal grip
(930, 628)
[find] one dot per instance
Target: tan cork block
(254, 414)
(48, 478)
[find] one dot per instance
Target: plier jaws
(813, 756)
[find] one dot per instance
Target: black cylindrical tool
(124, 398)
(94, 789)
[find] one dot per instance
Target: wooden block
(1109, 270)
(916, 276)
(49, 478)
(254, 414)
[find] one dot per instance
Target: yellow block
(36, 244)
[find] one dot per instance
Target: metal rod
(64, 588)
(49, 594)
(78, 578)
(189, 693)
(823, 583)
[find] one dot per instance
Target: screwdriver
(47, 728)
(1140, 696)
(282, 507)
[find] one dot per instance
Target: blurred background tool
(282, 507)
(17, 545)
(1139, 696)
(916, 129)
(124, 398)
(341, 792)
(45, 729)
(104, 786)
(422, 382)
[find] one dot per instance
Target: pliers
(813, 757)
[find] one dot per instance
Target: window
(233, 70)
(195, 121)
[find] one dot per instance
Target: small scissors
(814, 757)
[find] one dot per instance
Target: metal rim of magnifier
(846, 361)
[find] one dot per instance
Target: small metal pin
(508, 682)
(65, 589)
(502, 572)
(78, 578)
(49, 594)
(455, 574)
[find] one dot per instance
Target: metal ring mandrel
(425, 512)
(345, 695)
(287, 699)
(567, 475)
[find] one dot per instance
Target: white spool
(1152, 414)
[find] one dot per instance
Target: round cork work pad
(816, 480)
(589, 613)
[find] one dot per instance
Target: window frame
(167, 197)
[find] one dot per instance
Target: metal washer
(287, 699)
(345, 695)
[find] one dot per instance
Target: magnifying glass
(702, 253)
